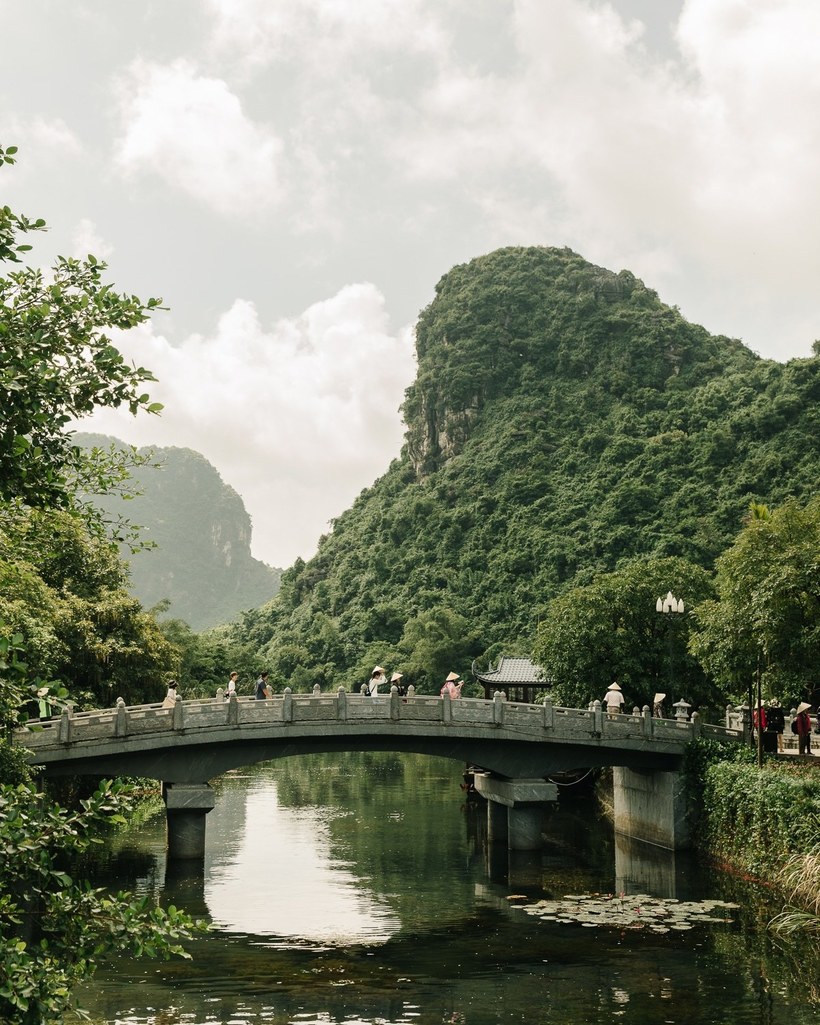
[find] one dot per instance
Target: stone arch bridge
(514, 747)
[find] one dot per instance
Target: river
(358, 888)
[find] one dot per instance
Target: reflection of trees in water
(395, 820)
(772, 964)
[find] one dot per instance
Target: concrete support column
(521, 803)
(186, 805)
(651, 806)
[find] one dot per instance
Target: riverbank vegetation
(64, 613)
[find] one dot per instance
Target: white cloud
(86, 239)
(324, 33)
(191, 130)
(298, 418)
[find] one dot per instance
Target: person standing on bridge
(613, 699)
(376, 677)
(262, 687)
(170, 698)
(231, 685)
(452, 686)
(396, 679)
(657, 706)
(802, 727)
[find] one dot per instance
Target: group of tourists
(451, 686)
(770, 722)
(379, 677)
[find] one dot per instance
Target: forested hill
(202, 562)
(563, 420)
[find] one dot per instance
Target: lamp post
(670, 605)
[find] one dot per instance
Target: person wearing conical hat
(376, 677)
(452, 686)
(395, 680)
(802, 727)
(613, 699)
(657, 706)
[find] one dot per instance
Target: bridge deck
(201, 738)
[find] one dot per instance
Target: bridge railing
(570, 724)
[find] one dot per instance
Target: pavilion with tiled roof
(519, 678)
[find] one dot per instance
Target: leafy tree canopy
(767, 611)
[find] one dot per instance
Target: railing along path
(354, 711)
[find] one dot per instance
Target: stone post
(121, 719)
(648, 724)
(341, 705)
(233, 709)
(287, 705)
(65, 724)
(178, 715)
(549, 713)
(446, 708)
(597, 718)
(498, 707)
(317, 690)
(395, 703)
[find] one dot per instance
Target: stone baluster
(220, 694)
(498, 707)
(178, 715)
(287, 706)
(341, 705)
(549, 713)
(411, 691)
(597, 718)
(446, 708)
(317, 690)
(66, 724)
(121, 719)
(648, 722)
(696, 726)
(233, 709)
(395, 703)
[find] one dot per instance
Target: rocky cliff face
(201, 562)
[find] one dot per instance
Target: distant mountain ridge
(202, 563)
(563, 420)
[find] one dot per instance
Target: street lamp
(670, 604)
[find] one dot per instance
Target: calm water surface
(359, 888)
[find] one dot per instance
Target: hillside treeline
(564, 423)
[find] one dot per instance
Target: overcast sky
(294, 176)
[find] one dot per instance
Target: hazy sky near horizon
(294, 176)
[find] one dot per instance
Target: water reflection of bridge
(516, 745)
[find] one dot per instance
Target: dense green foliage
(64, 607)
(199, 560)
(610, 630)
(563, 423)
(63, 591)
(759, 817)
(768, 612)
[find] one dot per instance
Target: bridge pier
(515, 809)
(186, 805)
(651, 806)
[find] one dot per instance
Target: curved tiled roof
(512, 671)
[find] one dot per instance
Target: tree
(57, 363)
(610, 630)
(767, 613)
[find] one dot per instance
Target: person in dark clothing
(261, 687)
(802, 722)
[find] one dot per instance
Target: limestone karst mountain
(202, 562)
(563, 420)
